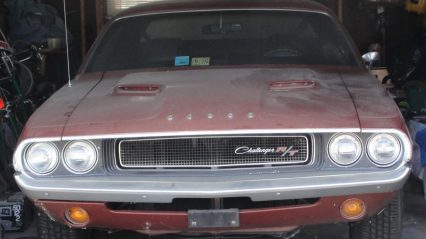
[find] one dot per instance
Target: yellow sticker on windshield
(200, 61)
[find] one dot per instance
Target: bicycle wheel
(24, 79)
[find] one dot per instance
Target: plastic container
(418, 6)
(416, 97)
(421, 141)
(12, 213)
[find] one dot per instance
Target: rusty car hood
(214, 100)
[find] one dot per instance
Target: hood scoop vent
(138, 89)
(279, 86)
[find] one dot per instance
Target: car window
(222, 38)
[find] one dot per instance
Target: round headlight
(80, 156)
(42, 158)
(345, 149)
(383, 149)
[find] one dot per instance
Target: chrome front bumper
(279, 186)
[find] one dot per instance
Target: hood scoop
(279, 86)
(137, 89)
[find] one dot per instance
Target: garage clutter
(418, 6)
(418, 133)
(23, 87)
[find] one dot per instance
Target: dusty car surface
(218, 117)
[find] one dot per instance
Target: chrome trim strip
(407, 145)
(342, 165)
(263, 187)
(383, 165)
(308, 155)
(278, 186)
(69, 168)
(406, 141)
(284, 9)
(18, 156)
(25, 159)
(212, 133)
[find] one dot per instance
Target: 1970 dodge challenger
(218, 117)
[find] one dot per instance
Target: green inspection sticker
(200, 61)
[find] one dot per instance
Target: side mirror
(371, 58)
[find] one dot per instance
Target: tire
(48, 229)
(385, 225)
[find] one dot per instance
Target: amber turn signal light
(353, 209)
(77, 216)
(2, 104)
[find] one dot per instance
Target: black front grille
(185, 204)
(214, 152)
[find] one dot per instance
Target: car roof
(167, 6)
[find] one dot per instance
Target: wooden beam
(340, 10)
(83, 28)
(100, 14)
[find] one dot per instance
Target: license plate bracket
(224, 218)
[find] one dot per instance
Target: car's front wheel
(48, 229)
(385, 225)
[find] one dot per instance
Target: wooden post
(340, 10)
(83, 28)
(100, 14)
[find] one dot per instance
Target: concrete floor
(414, 226)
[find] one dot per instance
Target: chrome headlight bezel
(332, 143)
(55, 160)
(93, 156)
(393, 159)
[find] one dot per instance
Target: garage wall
(3, 17)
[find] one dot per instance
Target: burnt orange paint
(326, 210)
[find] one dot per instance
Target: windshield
(222, 38)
